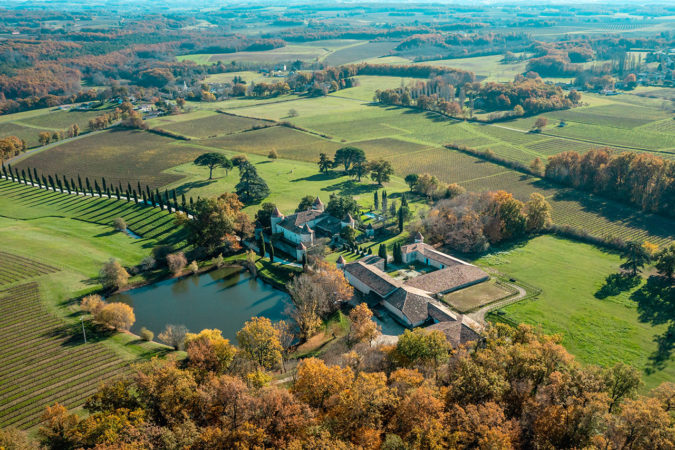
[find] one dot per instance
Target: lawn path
(479, 315)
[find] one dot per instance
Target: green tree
(325, 162)
(411, 180)
(347, 156)
(340, 206)
(381, 171)
(251, 187)
(359, 169)
(261, 246)
(305, 203)
(382, 253)
(213, 160)
(376, 200)
(635, 257)
(420, 347)
(665, 262)
(264, 214)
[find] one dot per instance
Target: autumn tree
(362, 326)
(209, 351)
(315, 382)
(113, 276)
(119, 316)
(176, 262)
(174, 336)
(540, 123)
(259, 340)
(217, 222)
(538, 212)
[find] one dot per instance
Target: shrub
(218, 261)
(120, 224)
(176, 262)
(119, 316)
(174, 336)
(147, 335)
(194, 267)
(160, 253)
(148, 263)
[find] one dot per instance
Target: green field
(597, 331)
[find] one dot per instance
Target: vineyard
(44, 361)
(150, 223)
(15, 268)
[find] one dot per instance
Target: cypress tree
(271, 252)
(147, 191)
(182, 199)
(23, 175)
(384, 201)
(404, 200)
(98, 188)
(376, 200)
(140, 191)
(72, 183)
(79, 182)
(4, 171)
(160, 201)
(44, 182)
(58, 182)
(382, 252)
(103, 183)
(117, 193)
(135, 197)
(107, 192)
(11, 172)
(65, 183)
(261, 245)
(128, 187)
(128, 195)
(401, 217)
(152, 199)
(35, 175)
(51, 182)
(30, 175)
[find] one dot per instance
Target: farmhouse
(414, 302)
(298, 231)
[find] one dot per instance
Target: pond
(222, 299)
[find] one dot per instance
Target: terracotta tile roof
(378, 281)
(457, 332)
(413, 303)
(448, 279)
(430, 252)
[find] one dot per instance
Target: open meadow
(597, 329)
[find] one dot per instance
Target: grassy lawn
(597, 331)
(473, 297)
(288, 180)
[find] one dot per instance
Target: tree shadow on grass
(656, 305)
(617, 283)
(186, 187)
(351, 187)
(326, 176)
